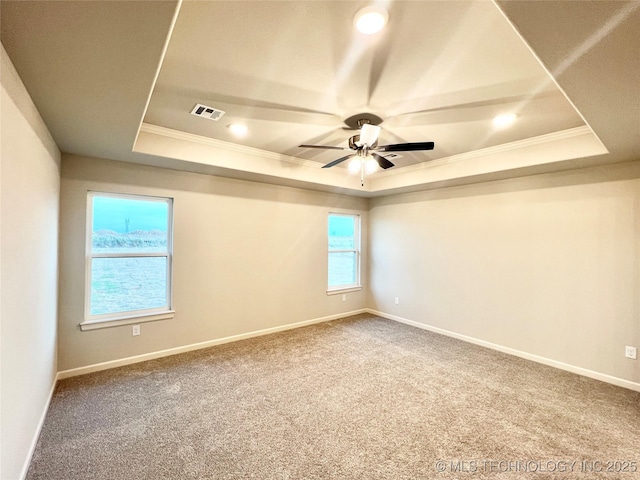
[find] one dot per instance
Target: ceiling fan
(365, 144)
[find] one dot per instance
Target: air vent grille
(207, 112)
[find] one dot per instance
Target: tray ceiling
(292, 72)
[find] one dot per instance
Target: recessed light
(504, 120)
(238, 129)
(370, 20)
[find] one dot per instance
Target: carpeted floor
(358, 398)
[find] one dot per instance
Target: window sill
(338, 291)
(125, 320)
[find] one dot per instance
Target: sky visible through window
(123, 215)
(341, 226)
(342, 264)
(131, 236)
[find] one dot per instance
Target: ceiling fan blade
(322, 146)
(406, 147)
(336, 162)
(369, 134)
(383, 162)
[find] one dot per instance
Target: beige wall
(30, 182)
(247, 257)
(546, 265)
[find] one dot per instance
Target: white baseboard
(36, 435)
(197, 346)
(603, 377)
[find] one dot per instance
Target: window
(344, 252)
(128, 259)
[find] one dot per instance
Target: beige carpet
(358, 398)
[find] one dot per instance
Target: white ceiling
(294, 71)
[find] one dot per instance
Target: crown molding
(486, 152)
(222, 145)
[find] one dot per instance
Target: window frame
(113, 319)
(357, 248)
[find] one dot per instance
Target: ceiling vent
(207, 112)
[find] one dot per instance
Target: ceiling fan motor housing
(354, 143)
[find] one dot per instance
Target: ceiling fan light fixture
(238, 129)
(370, 165)
(370, 20)
(354, 165)
(504, 120)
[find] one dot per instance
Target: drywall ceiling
(118, 80)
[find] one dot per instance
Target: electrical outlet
(135, 330)
(397, 301)
(344, 298)
(630, 352)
